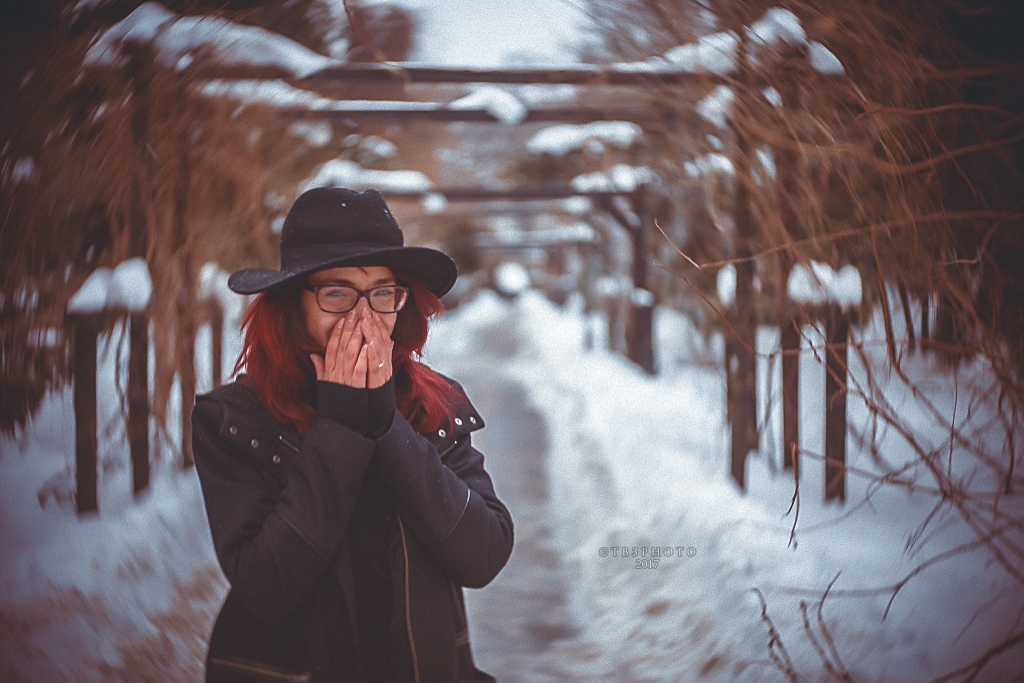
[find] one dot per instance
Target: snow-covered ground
(635, 462)
(101, 597)
(639, 463)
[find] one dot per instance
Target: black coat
(282, 511)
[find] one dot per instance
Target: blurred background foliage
(909, 168)
(101, 165)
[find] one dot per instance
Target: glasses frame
(360, 294)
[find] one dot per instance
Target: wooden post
(925, 332)
(742, 360)
(639, 331)
(837, 327)
(907, 318)
(790, 172)
(187, 384)
(138, 400)
(85, 412)
(217, 340)
(790, 342)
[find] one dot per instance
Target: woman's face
(320, 324)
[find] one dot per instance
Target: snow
(777, 26)
(819, 284)
(621, 178)
(317, 134)
(641, 297)
(277, 93)
(577, 205)
(213, 284)
(640, 462)
(344, 173)
(773, 97)
(714, 53)
(725, 283)
(707, 165)
(175, 38)
(376, 145)
(634, 461)
(128, 287)
(576, 233)
(91, 297)
(434, 203)
(95, 595)
(534, 94)
(715, 106)
(511, 278)
(564, 138)
(499, 103)
(766, 159)
(494, 33)
(823, 61)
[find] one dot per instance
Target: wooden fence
(83, 330)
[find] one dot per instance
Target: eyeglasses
(342, 298)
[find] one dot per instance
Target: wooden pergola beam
(484, 194)
(577, 115)
(407, 72)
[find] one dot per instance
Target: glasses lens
(337, 298)
(387, 299)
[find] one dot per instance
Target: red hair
(276, 348)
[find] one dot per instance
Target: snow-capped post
(831, 297)
(105, 297)
(638, 222)
(741, 381)
(788, 163)
(639, 331)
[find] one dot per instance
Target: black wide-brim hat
(332, 227)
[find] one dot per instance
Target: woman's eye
(334, 293)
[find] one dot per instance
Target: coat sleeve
(448, 503)
(275, 543)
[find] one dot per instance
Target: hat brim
(434, 269)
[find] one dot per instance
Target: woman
(346, 502)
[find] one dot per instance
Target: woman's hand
(345, 360)
(379, 346)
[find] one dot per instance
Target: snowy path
(523, 629)
(515, 620)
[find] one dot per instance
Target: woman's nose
(362, 303)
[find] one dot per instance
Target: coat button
(458, 421)
(255, 444)
(441, 433)
(233, 429)
(472, 419)
(276, 459)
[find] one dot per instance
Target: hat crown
(334, 227)
(335, 215)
